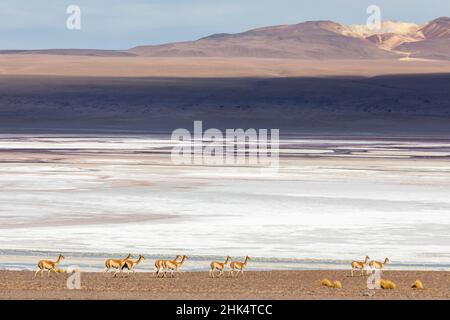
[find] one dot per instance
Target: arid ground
(43, 93)
(82, 66)
(364, 170)
(197, 285)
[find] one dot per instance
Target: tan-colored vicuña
(219, 266)
(48, 265)
(116, 264)
(387, 284)
(327, 283)
(417, 285)
(131, 263)
(360, 265)
(172, 266)
(378, 264)
(239, 266)
(159, 265)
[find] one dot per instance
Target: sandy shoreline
(197, 285)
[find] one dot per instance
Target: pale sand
(58, 65)
(197, 285)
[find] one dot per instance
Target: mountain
(308, 40)
(73, 52)
(437, 29)
(319, 40)
(428, 41)
(391, 34)
(435, 43)
(311, 40)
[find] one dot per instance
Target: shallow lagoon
(332, 200)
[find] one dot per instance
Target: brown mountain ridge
(319, 40)
(311, 40)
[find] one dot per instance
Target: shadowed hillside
(308, 40)
(412, 105)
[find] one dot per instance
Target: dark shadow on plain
(408, 105)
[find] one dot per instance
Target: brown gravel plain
(197, 285)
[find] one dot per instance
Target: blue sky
(118, 24)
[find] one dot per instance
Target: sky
(118, 24)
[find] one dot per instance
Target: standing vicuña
(159, 264)
(378, 264)
(116, 264)
(360, 265)
(173, 266)
(239, 266)
(131, 263)
(220, 266)
(48, 265)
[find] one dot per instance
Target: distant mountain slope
(436, 42)
(308, 40)
(73, 52)
(428, 41)
(434, 49)
(437, 29)
(311, 40)
(319, 40)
